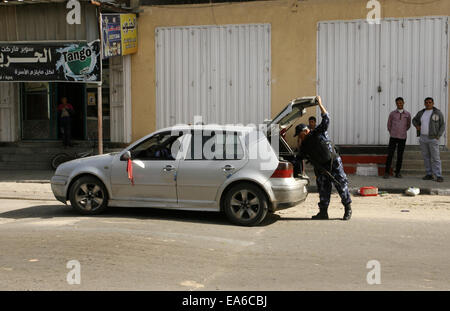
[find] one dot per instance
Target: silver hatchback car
(233, 169)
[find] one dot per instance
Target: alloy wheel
(89, 196)
(245, 205)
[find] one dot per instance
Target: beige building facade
(293, 45)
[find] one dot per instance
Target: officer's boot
(348, 212)
(323, 214)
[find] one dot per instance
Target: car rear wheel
(88, 196)
(245, 204)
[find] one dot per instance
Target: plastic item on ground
(382, 193)
(412, 191)
(368, 191)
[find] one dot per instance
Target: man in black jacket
(430, 126)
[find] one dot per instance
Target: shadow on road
(55, 211)
(272, 218)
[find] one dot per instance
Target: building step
(405, 163)
(412, 160)
(377, 149)
(38, 155)
(45, 165)
(58, 144)
(405, 172)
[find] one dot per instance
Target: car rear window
(215, 145)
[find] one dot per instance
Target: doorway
(75, 94)
(39, 103)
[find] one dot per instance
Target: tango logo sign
(81, 55)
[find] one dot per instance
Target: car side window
(158, 147)
(215, 145)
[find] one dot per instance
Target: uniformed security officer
(315, 146)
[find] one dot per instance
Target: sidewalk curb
(26, 198)
(424, 191)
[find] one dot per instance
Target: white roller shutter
(221, 73)
(362, 68)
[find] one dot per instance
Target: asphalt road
(148, 249)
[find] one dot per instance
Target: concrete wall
(294, 34)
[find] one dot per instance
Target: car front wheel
(245, 204)
(88, 196)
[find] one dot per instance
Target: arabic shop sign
(75, 62)
(119, 34)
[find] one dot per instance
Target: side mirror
(126, 156)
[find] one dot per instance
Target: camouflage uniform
(324, 181)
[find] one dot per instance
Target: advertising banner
(111, 35)
(74, 62)
(129, 33)
(119, 34)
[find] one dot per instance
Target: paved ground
(148, 249)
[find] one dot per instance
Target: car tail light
(284, 170)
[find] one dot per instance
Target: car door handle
(227, 168)
(168, 168)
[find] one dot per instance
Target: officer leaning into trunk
(315, 146)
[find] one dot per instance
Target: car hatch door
(294, 110)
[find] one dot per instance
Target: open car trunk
(284, 120)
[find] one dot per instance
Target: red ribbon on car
(130, 171)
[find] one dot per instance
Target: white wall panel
(219, 72)
(404, 57)
(120, 98)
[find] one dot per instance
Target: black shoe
(323, 214)
(348, 212)
(440, 179)
(386, 176)
(398, 175)
(428, 177)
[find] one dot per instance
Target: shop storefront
(39, 102)
(36, 72)
(48, 72)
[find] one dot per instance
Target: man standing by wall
(399, 122)
(430, 126)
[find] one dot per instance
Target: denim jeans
(430, 153)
